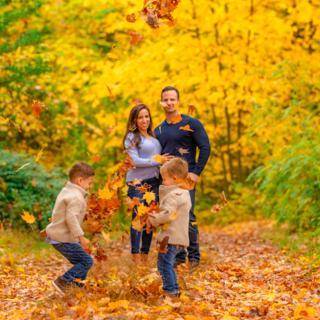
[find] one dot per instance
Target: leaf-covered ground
(240, 277)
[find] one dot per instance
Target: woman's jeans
(166, 263)
(136, 236)
(81, 261)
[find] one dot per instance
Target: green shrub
(25, 185)
(290, 184)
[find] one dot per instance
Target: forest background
(248, 70)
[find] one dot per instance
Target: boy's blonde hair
(175, 167)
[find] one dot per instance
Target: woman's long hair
(132, 125)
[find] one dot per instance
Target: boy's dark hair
(170, 88)
(176, 167)
(80, 169)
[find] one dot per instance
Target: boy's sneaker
(61, 285)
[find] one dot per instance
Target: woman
(141, 145)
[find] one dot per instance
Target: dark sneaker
(193, 265)
(61, 285)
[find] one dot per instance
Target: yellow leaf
(149, 196)
(27, 217)
(302, 310)
(105, 193)
(39, 155)
(136, 224)
(157, 158)
(227, 316)
(142, 209)
(118, 304)
(173, 216)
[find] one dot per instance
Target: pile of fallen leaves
(240, 277)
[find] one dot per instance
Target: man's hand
(193, 177)
(84, 242)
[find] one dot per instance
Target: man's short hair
(176, 167)
(80, 169)
(170, 88)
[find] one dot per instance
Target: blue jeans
(193, 249)
(81, 261)
(166, 268)
(136, 236)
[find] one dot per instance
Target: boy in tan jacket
(65, 232)
(175, 204)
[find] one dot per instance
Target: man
(181, 135)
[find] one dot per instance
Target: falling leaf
(27, 217)
(111, 96)
(191, 109)
(163, 245)
(149, 196)
(186, 128)
(23, 166)
(183, 151)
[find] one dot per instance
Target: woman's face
(143, 120)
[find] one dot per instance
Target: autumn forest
(249, 71)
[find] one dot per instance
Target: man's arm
(202, 141)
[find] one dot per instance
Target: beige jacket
(175, 204)
(68, 214)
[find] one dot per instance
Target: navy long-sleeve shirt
(184, 142)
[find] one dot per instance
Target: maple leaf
(191, 109)
(27, 217)
(183, 151)
(186, 128)
(136, 224)
(163, 245)
(149, 197)
(144, 188)
(105, 193)
(142, 209)
(157, 158)
(37, 108)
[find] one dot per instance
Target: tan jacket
(68, 214)
(175, 204)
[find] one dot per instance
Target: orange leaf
(96, 158)
(131, 17)
(27, 217)
(144, 188)
(186, 128)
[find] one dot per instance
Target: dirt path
(240, 277)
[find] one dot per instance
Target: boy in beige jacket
(65, 232)
(175, 204)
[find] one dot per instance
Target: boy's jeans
(166, 269)
(135, 235)
(81, 261)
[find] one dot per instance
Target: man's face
(170, 101)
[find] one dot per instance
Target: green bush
(290, 184)
(25, 185)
